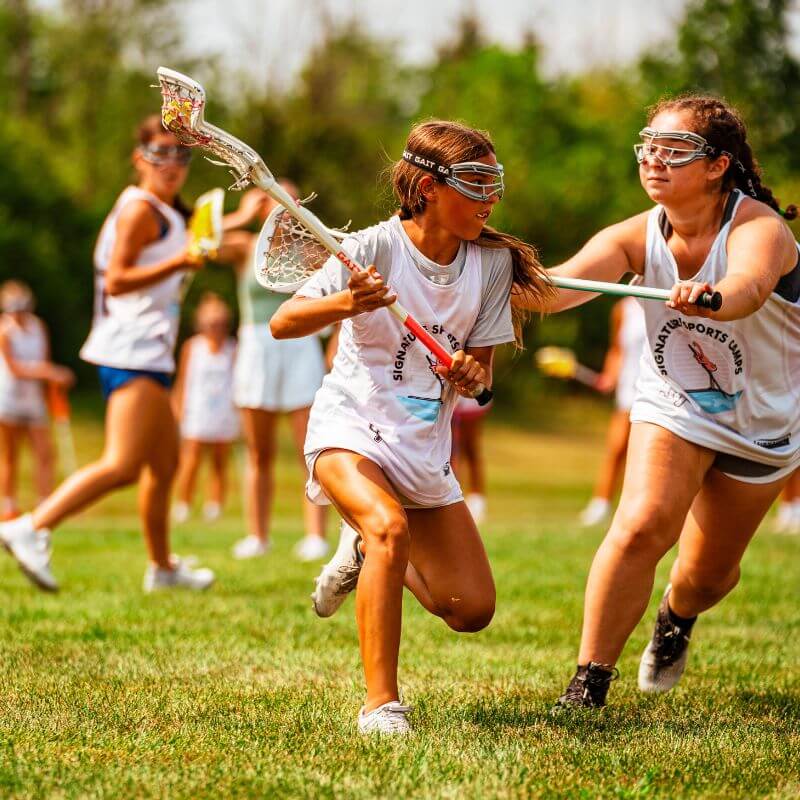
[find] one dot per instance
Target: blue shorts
(112, 378)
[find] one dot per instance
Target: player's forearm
(120, 280)
(302, 316)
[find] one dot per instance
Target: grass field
(242, 692)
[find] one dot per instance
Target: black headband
(428, 164)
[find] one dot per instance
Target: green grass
(242, 692)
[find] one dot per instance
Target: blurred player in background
(620, 371)
(203, 401)
(467, 457)
(271, 378)
(141, 258)
(25, 370)
(788, 516)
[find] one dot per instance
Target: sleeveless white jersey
(632, 336)
(208, 413)
(22, 399)
(382, 398)
(733, 387)
(137, 330)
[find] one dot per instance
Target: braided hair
(722, 127)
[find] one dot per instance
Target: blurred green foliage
(75, 83)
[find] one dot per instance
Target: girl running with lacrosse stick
(203, 401)
(271, 378)
(716, 418)
(620, 371)
(378, 444)
(141, 258)
(25, 369)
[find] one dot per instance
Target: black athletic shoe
(589, 687)
(664, 659)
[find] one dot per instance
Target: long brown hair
(450, 143)
(146, 131)
(722, 126)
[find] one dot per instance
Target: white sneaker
(31, 549)
(250, 547)
(311, 548)
(390, 718)
(476, 503)
(180, 512)
(340, 575)
(784, 518)
(596, 512)
(183, 575)
(212, 511)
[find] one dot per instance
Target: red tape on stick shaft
(444, 357)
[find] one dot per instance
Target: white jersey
(208, 412)
(21, 399)
(632, 336)
(733, 387)
(382, 398)
(138, 329)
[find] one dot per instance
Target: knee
(261, 458)
(122, 474)
(469, 617)
(642, 530)
(386, 536)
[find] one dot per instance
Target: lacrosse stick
(205, 226)
(58, 403)
(183, 104)
(711, 300)
(559, 362)
(287, 255)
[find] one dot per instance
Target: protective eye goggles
(474, 190)
(159, 154)
(669, 155)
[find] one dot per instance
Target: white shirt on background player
(138, 329)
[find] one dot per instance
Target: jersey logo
(714, 399)
(376, 434)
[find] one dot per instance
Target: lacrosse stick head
(556, 362)
(288, 254)
(183, 102)
(205, 225)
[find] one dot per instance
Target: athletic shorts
(747, 471)
(276, 375)
(113, 378)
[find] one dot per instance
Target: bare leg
(724, 517)
(258, 427)
(366, 499)
(10, 436)
(471, 452)
(614, 458)
(662, 477)
(156, 482)
(127, 448)
(43, 460)
(313, 515)
(189, 463)
(450, 576)
(218, 482)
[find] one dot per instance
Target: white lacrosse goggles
(474, 190)
(672, 148)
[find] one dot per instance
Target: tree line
(76, 79)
